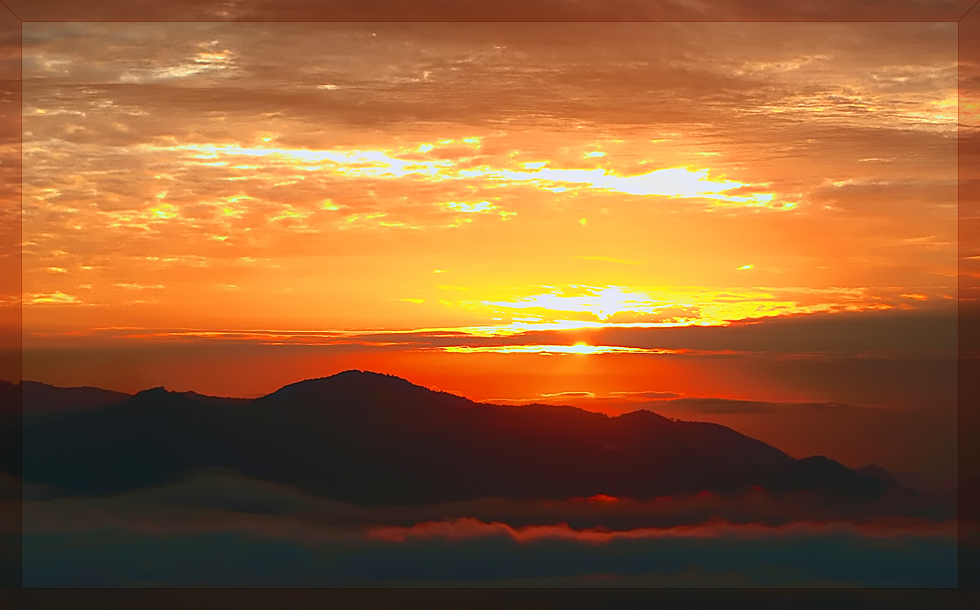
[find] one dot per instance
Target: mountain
(216, 399)
(375, 439)
(876, 471)
(42, 401)
(10, 428)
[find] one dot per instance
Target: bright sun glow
(578, 348)
(601, 303)
(574, 306)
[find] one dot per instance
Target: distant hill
(876, 471)
(375, 439)
(42, 401)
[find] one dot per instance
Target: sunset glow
(497, 210)
(578, 348)
(489, 295)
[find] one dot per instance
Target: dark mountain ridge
(376, 439)
(41, 399)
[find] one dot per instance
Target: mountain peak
(345, 383)
(354, 375)
(365, 375)
(645, 414)
(876, 471)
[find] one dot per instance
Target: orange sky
(527, 205)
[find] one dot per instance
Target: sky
(746, 223)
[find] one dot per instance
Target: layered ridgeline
(375, 439)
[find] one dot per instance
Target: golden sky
(461, 201)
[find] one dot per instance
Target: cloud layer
(221, 530)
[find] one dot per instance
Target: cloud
(54, 298)
(703, 405)
(868, 335)
(475, 11)
(225, 142)
(465, 528)
(217, 528)
(560, 395)
(137, 286)
(487, 554)
(651, 395)
(578, 348)
(678, 405)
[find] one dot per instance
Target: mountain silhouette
(876, 471)
(10, 428)
(42, 401)
(374, 439)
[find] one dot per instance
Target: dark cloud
(217, 528)
(723, 405)
(644, 395)
(836, 334)
(387, 74)
(819, 556)
(507, 10)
